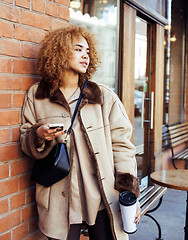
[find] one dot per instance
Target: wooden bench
(148, 197)
(175, 136)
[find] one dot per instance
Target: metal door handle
(142, 113)
(151, 110)
(152, 107)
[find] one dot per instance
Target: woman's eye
(80, 50)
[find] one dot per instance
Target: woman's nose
(85, 55)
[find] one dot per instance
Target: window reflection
(100, 17)
(76, 4)
(141, 85)
(140, 78)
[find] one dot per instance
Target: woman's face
(79, 58)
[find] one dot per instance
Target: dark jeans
(100, 231)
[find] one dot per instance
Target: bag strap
(76, 108)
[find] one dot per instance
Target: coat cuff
(127, 182)
(31, 140)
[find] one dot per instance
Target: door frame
(126, 76)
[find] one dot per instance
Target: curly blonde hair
(55, 51)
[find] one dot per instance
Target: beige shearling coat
(107, 131)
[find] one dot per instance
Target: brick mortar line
(19, 74)
(2, 56)
(32, 11)
(28, 27)
(12, 91)
(16, 210)
(19, 41)
(15, 177)
(13, 5)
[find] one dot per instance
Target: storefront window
(100, 17)
(175, 63)
(167, 63)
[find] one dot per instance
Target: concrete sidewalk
(170, 215)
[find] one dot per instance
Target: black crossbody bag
(56, 165)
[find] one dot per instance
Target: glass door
(143, 98)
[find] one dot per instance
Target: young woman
(102, 156)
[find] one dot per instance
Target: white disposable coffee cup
(128, 206)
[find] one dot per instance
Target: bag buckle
(66, 138)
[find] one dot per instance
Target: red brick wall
(23, 23)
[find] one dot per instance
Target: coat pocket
(42, 196)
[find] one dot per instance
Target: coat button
(64, 115)
(63, 194)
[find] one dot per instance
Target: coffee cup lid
(127, 198)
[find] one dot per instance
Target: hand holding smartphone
(57, 126)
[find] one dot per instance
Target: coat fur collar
(91, 94)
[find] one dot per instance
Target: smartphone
(57, 126)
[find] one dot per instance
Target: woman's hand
(138, 213)
(44, 133)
